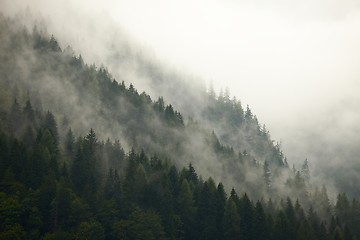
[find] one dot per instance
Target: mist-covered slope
(84, 96)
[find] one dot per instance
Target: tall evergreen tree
(231, 221)
(305, 171)
(267, 176)
(261, 231)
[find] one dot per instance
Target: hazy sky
(296, 63)
(273, 56)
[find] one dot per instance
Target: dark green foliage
(206, 212)
(92, 230)
(141, 225)
(231, 221)
(137, 198)
(246, 211)
(220, 201)
(69, 143)
(282, 227)
(190, 174)
(262, 228)
(305, 231)
(13, 232)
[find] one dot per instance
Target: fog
(294, 62)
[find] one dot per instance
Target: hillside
(82, 97)
(122, 180)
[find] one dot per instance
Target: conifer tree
(231, 221)
(305, 171)
(267, 176)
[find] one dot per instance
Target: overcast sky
(296, 63)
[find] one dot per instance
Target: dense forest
(85, 156)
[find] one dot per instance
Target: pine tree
(211, 91)
(51, 125)
(267, 176)
(220, 207)
(191, 175)
(231, 221)
(282, 228)
(29, 113)
(246, 211)
(261, 231)
(15, 118)
(305, 231)
(69, 143)
(79, 169)
(206, 212)
(146, 225)
(290, 212)
(248, 113)
(91, 140)
(305, 171)
(187, 209)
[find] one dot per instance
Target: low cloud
(296, 63)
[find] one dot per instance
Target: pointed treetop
(305, 171)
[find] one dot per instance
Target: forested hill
(85, 156)
(82, 96)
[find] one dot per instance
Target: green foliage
(231, 221)
(10, 210)
(146, 225)
(13, 232)
(90, 230)
(138, 198)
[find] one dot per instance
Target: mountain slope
(83, 97)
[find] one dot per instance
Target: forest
(85, 156)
